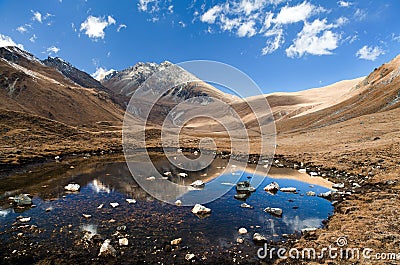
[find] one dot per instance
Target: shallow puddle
(148, 224)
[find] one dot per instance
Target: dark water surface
(148, 224)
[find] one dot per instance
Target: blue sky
(282, 45)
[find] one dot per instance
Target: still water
(57, 222)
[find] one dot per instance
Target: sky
(283, 45)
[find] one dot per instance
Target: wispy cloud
(94, 27)
(369, 53)
(52, 50)
(33, 38)
(344, 4)
(39, 17)
(121, 26)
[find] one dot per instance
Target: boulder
(114, 204)
(326, 195)
(183, 175)
(106, 250)
(200, 209)
(22, 200)
(272, 187)
(178, 203)
(131, 201)
(245, 205)
(338, 186)
(72, 187)
(123, 241)
(311, 193)
(258, 238)
(176, 241)
(198, 184)
(242, 231)
(289, 189)
(189, 256)
(274, 211)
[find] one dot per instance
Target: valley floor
(368, 148)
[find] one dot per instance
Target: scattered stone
(239, 240)
(311, 193)
(313, 174)
(22, 200)
(356, 185)
(200, 209)
(242, 231)
(272, 187)
(325, 195)
(308, 229)
(72, 187)
(178, 203)
(151, 178)
(25, 220)
(274, 211)
(198, 184)
(168, 173)
(71, 167)
(114, 204)
(123, 241)
(176, 241)
(289, 189)
(107, 250)
(338, 186)
(183, 175)
(245, 205)
(302, 170)
(131, 201)
(49, 209)
(259, 238)
(195, 153)
(57, 158)
(87, 216)
(189, 257)
(100, 206)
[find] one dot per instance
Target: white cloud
(37, 16)
(171, 9)
(7, 41)
(33, 38)
(22, 29)
(94, 26)
(121, 26)
(143, 5)
(53, 49)
(344, 4)
(315, 39)
(272, 44)
(101, 73)
(293, 14)
(360, 14)
(249, 6)
(211, 14)
(369, 53)
(247, 29)
(182, 24)
(228, 24)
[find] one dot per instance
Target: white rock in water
(87, 216)
(176, 241)
(273, 186)
(183, 175)
(239, 240)
(200, 209)
(151, 178)
(338, 186)
(114, 204)
(72, 187)
(25, 220)
(100, 206)
(107, 250)
(168, 173)
(57, 157)
(198, 184)
(123, 242)
(242, 231)
(195, 153)
(245, 205)
(326, 195)
(310, 193)
(259, 238)
(274, 211)
(289, 189)
(131, 201)
(302, 170)
(189, 257)
(178, 203)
